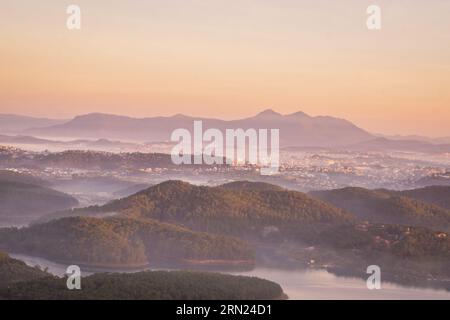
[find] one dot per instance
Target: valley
(329, 210)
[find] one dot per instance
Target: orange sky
(231, 59)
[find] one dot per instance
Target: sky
(231, 59)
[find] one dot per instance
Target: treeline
(385, 206)
(156, 285)
(80, 159)
(12, 271)
(21, 282)
(122, 242)
(241, 212)
(263, 213)
(175, 223)
(418, 243)
(438, 195)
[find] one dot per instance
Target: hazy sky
(229, 59)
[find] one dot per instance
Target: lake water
(299, 285)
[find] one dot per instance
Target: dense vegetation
(403, 242)
(119, 241)
(19, 281)
(384, 206)
(12, 271)
(438, 195)
(167, 210)
(241, 212)
(178, 224)
(157, 285)
(252, 186)
(80, 159)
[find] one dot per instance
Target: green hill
(228, 211)
(12, 271)
(383, 206)
(156, 285)
(125, 242)
(252, 186)
(177, 224)
(438, 195)
(21, 282)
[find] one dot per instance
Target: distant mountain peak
(180, 116)
(269, 112)
(98, 115)
(297, 129)
(299, 114)
(172, 185)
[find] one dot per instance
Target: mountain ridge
(14, 123)
(386, 206)
(295, 129)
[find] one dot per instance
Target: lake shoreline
(304, 284)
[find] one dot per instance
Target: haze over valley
(103, 192)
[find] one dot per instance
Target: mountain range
(12, 123)
(385, 144)
(297, 129)
(98, 130)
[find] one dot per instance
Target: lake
(297, 284)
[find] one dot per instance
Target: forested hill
(384, 206)
(252, 186)
(227, 210)
(12, 176)
(178, 224)
(12, 271)
(124, 242)
(19, 281)
(156, 285)
(438, 195)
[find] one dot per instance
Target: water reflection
(317, 284)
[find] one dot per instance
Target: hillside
(176, 224)
(252, 186)
(12, 176)
(384, 207)
(438, 195)
(10, 123)
(156, 285)
(122, 242)
(82, 159)
(12, 271)
(29, 201)
(227, 210)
